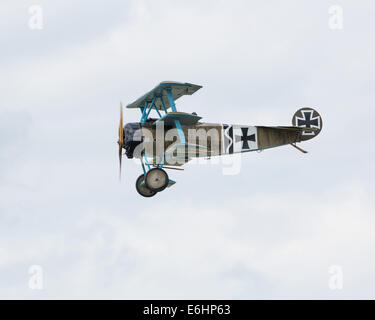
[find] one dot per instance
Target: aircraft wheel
(156, 179)
(142, 189)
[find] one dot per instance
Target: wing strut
(177, 122)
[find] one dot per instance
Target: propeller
(120, 139)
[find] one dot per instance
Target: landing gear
(156, 179)
(142, 189)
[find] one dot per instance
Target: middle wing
(186, 119)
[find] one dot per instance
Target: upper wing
(178, 90)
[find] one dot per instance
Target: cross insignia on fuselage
(245, 138)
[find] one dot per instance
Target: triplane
(174, 138)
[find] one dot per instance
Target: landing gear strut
(153, 180)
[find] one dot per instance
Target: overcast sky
(272, 231)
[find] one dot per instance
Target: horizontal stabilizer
(299, 129)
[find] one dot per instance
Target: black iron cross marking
(307, 121)
(245, 138)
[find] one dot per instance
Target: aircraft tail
(308, 118)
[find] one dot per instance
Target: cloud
(241, 249)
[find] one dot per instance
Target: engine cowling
(133, 138)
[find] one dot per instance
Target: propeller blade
(120, 160)
(120, 139)
(121, 128)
